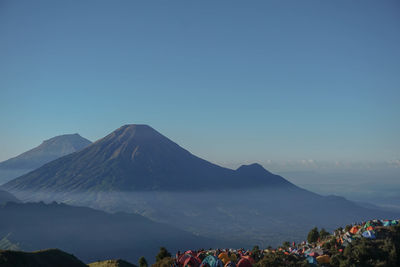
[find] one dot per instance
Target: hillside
(43, 258)
(89, 234)
(371, 243)
(7, 197)
(49, 150)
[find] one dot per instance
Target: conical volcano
(137, 157)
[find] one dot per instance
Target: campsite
(360, 244)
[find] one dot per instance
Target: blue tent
(369, 234)
(230, 264)
(212, 261)
(312, 260)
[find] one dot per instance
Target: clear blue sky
(229, 80)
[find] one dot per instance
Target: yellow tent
(323, 259)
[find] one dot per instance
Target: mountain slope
(136, 157)
(90, 234)
(43, 258)
(49, 150)
(7, 197)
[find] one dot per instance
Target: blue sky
(231, 81)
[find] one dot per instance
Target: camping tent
(244, 263)
(369, 234)
(230, 264)
(354, 229)
(212, 261)
(224, 257)
(249, 258)
(312, 260)
(191, 262)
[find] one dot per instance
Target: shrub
(142, 262)
(162, 254)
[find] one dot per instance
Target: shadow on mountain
(43, 258)
(89, 234)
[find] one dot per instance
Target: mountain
(136, 169)
(90, 234)
(137, 158)
(49, 150)
(7, 197)
(43, 258)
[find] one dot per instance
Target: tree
(313, 235)
(163, 253)
(255, 252)
(165, 262)
(142, 262)
(323, 233)
(286, 244)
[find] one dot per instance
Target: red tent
(192, 262)
(249, 258)
(183, 258)
(244, 263)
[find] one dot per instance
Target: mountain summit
(49, 150)
(137, 157)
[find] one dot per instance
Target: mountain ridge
(137, 157)
(47, 151)
(90, 234)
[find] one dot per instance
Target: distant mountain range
(89, 234)
(136, 169)
(137, 158)
(49, 150)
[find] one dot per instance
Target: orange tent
(354, 229)
(224, 257)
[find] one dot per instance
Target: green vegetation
(142, 262)
(323, 234)
(162, 254)
(366, 252)
(281, 259)
(313, 235)
(165, 262)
